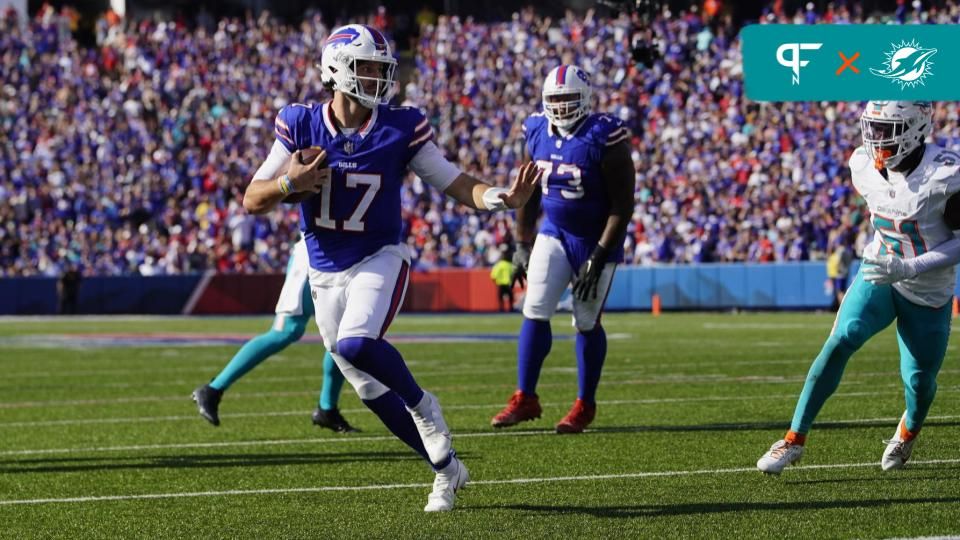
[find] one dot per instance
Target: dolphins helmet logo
(907, 64)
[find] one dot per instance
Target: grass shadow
(662, 510)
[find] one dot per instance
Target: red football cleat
(579, 417)
(520, 408)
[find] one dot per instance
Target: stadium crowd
(132, 156)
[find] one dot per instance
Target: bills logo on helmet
(583, 76)
(344, 36)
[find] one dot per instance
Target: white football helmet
(893, 129)
(354, 43)
(573, 84)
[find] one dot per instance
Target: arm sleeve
(421, 135)
(292, 125)
(275, 162)
(430, 165)
(616, 134)
(941, 256)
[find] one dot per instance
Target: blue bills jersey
(358, 213)
(575, 201)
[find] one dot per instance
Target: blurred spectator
(502, 276)
(838, 272)
(68, 289)
(132, 157)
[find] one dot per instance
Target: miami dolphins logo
(907, 64)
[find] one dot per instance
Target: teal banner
(851, 62)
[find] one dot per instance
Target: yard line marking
(646, 377)
(377, 438)
(851, 379)
(476, 483)
(509, 364)
(304, 412)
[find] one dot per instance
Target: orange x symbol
(848, 63)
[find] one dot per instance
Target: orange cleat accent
(905, 434)
(579, 417)
(520, 408)
(792, 437)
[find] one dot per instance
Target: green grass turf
(695, 397)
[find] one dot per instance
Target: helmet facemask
(565, 107)
(892, 130)
(369, 90)
(357, 61)
(884, 142)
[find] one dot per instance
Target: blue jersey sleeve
(608, 131)
(532, 131)
(292, 126)
(420, 131)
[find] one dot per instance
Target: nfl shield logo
(348, 147)
(559, 142)
(892, 194)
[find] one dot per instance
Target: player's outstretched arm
(300, 181)
(482, 196)
(620, 180)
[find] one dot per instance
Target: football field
(99, 438)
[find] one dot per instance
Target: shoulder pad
(859, 160)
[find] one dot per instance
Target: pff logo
(907, 64)
(794, 62)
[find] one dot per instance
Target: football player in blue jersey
(294, 310)
(349, 195)
(587, 200)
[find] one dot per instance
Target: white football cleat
(433, 429)
(779, 456)
(449, 479)
(898, 451)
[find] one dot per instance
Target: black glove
(588, 278)
(521, 260)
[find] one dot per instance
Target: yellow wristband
(286, 186)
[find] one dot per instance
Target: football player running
(910, 187)
(294, 310)
(587, 199)
(350, 218)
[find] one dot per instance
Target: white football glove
(886, 269)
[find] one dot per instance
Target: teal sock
(332, 384)
(260, 348)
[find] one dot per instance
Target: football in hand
(306, 156)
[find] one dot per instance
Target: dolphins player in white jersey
(911, 189)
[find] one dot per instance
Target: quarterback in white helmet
(911, 188)
(349, 195)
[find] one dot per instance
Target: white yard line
(476, 483)
(338, 440)
(305, 412)
(651, 380)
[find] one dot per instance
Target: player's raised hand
(308, 174)
(527, 180)
(885, 269)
